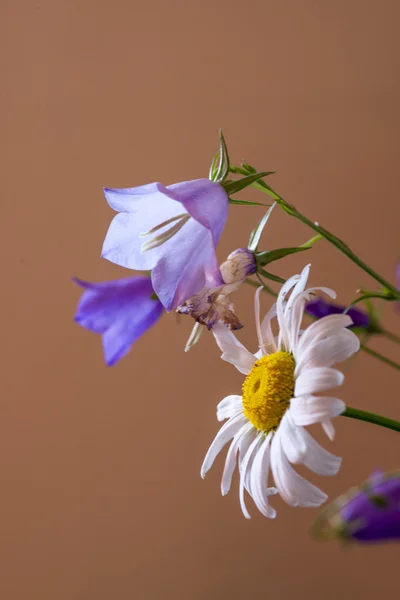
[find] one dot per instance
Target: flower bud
(240, 264)
(367, 513)
(211, 305)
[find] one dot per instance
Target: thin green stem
(363, 415)
(390, 336)
(381, 357)
(340, 245)
(266, 287)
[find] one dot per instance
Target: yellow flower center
(268, 389)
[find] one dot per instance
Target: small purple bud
(367, 513)
(211, 305)
(240, 264)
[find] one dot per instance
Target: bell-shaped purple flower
(172, 231)
(320, 307)
(367, 513)
(373, 514)
(121, 311)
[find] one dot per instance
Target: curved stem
(380, 357)
(390, 336)
(340, 245)
(363, 415)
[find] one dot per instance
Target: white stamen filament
(167, 235)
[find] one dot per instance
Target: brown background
(101, 497)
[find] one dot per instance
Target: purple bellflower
(320, 307)
(374, 513)
(121, 311)
(171, 231)
(368, 513)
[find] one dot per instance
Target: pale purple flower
(320, 307)
(121, 311)
(211, 305)
(367, 513)
(171, 231)
(373, 514)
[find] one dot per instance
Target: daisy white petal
(224, 435)
(266, 331)
(294, 489)
(317, 379)
(318, 459)
(232, 350)
(245, 443)
(297, 307)
(261, 342)
(307, 410)
(245, 471)
(329, 351)
(322, 328)
(259, 479)
(283, 340)
(298, 288)
(243, 437)
(280, 397)
(228, 407)
(292, 443)
(329, 428)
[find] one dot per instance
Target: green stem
(363, 415)
(340, 245)
(379, 356)
(390, 336)
(266, 287)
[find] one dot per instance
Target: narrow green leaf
(270, 276)
(249, 169)
(257, 184)
(233, 201)
(312, 241)
(263, 258)
(256, 234)
(223, 168)
(213, 167)
(240, 184)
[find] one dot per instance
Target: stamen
(164, 237)
(161, 225)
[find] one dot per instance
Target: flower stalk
(393, 292)
(369, 417)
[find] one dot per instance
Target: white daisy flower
(279, 398)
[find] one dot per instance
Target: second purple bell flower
(121, 311)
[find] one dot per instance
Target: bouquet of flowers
(170, 234)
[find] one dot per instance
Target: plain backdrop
(101, 496)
